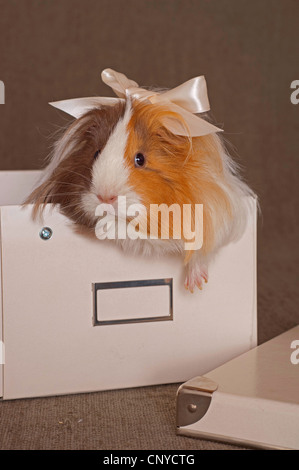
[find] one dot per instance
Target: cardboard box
(79, 315)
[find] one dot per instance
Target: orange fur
(178, 169)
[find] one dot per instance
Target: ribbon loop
(191, 95)
(118, 82)
(187, 100)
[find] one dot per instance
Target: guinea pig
(126, 150)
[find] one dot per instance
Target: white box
(251, 400)
(147, 328)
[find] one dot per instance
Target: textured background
(248, 51)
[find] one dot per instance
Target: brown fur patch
(75, 153)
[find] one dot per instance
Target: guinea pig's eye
(139, 160)
(96, 154)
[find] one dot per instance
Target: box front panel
(53, 345)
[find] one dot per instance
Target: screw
(46, 233)
(192, 408)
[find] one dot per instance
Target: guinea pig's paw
(196, 276)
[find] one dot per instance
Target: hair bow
(187, 100)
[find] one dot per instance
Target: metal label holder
(128, 284)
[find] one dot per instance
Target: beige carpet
(141, 418)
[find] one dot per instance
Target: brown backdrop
(248, 51)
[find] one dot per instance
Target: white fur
(229, 227)
(110, 174)
(151, 247)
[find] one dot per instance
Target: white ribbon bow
(186, 100)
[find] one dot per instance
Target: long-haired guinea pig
(125, 150)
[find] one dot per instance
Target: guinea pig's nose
(107, 200)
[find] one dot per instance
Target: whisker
(59, 194)
(79, 208)
(79, 214)
(78, 174)
(71, 205)
(68, 184)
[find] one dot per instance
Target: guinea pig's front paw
(196, 276)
